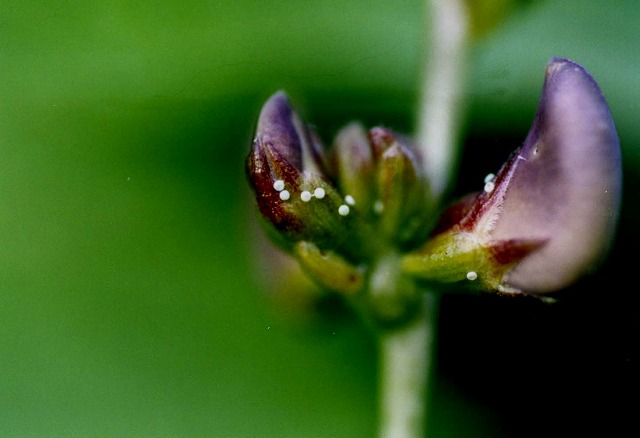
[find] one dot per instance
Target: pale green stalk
(407, 353)
(441, 104)
(405, 369)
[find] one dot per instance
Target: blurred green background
(131, 297)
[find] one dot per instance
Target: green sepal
(461, 257)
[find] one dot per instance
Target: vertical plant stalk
(405, 369)
(441, 103)
(406, 354)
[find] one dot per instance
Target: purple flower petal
(280, 128)
(550, 213)
(563, 185)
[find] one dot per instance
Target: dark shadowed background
(131, 301)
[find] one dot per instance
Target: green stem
(406, 357)
(442, 90)
(406, 353)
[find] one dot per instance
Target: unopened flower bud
(355, 164)
(286, 169)
(402, 188)
(329, 269)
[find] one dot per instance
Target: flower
(545, 219)
(549, 214)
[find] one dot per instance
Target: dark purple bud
(287, 172)
(281, 130)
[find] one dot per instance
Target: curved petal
(564, 183)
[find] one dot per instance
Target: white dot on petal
(489, 177)
(488, 187)
(306, 196)
(472, 275)
(378, 207)
(349, 200)
(319, 193)
(343, 210)
(278, 185)
(284, 195)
